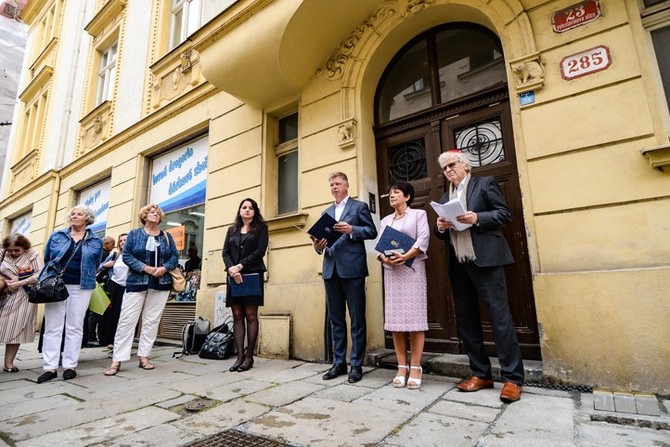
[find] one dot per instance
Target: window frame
(190, 21)
(106, 76)
(282, 149)
(656, 18)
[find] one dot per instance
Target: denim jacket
(57, 246)
(135, 256)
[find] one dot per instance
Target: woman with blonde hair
(150, 253)
(19, 267)
(76, 251)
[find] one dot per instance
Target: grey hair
(90, 215)
(458, 155)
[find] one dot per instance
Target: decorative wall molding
(528, 72)
(23, 172)
(95, 128)
(346, 133)
(174, 75)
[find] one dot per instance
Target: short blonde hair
(147, 208)
(88, 212)
(341, 175)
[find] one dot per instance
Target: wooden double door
(408, 150)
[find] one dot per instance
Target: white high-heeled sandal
(399, 381)
(412, 382)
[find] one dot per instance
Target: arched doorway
(445, 89)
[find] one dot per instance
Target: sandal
(110, 355)
(112, 370)
(146, 364)
(414, 383)
(400, 380)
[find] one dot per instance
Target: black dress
(247, 249)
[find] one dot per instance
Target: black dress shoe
(334, 371)
(356, 374)
(235, 366)
(46, 376)
(246, 365)
(69, 374)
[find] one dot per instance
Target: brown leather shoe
(474, 383)
(511, 392)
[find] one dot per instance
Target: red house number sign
(575, 15)
(587, 62)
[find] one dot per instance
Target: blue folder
(251, 285)
(323, 229)
(394, 240)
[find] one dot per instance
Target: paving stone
(488, 397)
(647, 404)
(222, 417)
(404, 399)
(436, 430)
(602, 434)
(159, 436)
(104, 429)
(538, 421)
(344, 392)
(31, 406)
(624, 403)
(323, 423)
(459, 410)
(178, 401)
(283, 394)
(603, 400)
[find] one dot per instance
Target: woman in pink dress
(405, 291)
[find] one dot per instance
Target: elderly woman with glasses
(78, 251)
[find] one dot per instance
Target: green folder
(99, 300)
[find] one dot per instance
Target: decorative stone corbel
(346, 133)
(658, 156)
(528, 72)
(185, 61)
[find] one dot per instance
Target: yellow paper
(99, 301)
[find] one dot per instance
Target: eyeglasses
(451, 165)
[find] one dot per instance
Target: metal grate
(560, 386)
(234, 438)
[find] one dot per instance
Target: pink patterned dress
(17, 315)
(405, 289)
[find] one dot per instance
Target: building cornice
(38, 82)
(105, 16)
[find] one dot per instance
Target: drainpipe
(62, 141)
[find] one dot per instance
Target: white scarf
(462, 240)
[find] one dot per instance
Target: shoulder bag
(51, 289)
(178, 280)
(3, 292)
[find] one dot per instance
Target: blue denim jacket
(57, 246)
(135, 256)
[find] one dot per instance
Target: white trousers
(150, 305)
(68, 314)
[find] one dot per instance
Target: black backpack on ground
(193, 335)
(219, 343)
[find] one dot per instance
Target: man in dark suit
(344, 270)
(476, 259)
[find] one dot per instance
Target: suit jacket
(347, 254)
(485, 198)
(251, 254)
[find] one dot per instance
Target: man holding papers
(477, 255)
(344, 272)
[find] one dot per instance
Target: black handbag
(218, 344)
(52, 288)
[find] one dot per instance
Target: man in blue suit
(344, 270)
(476, 259)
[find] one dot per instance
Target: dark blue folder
(323, 228)
(251, 285)
(394, 240)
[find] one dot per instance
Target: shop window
(106, 74)
(178, 186)
(96, 197)
(21, 224)
(286, 152)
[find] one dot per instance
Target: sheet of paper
(449, 211)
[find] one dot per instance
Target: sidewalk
(287, 403)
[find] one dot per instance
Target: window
(33, 119)
(106, 74)
(186, 19)
(286, 152)
(440, 66)
(656, 19)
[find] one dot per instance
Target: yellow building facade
(565, 103)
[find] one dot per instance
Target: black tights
(245, 315)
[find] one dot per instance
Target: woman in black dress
(243, 251)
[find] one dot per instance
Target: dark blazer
(347, 254)
(485, 198)
(251, 254)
